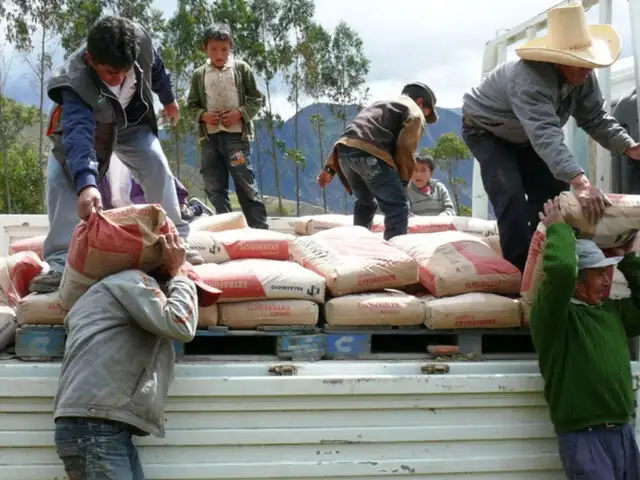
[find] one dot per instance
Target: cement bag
(8, 326)
(452, 263)
(110, 242)
(16, 273)
(219, 223)
(220, 247)
(30, 244)
(380, 308)
(494, 242)
(354, 260)
(473, 310)
(258, 279)
(310, 224)
(532, 275)
(268, 312)
(434, 224)
(208, 316)
(620, 221)
(619, 286)
(41, 309)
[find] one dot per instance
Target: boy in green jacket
(223, 99)
(581, 340)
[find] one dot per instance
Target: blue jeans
(600, 454)
(94, 449)
(374, 183)
(140, 150)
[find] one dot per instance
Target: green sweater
(582, 349)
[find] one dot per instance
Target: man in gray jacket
(118, 364)
(512, 123)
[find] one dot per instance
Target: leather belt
(602, 426)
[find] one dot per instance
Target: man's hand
(592, 200)
(622, 250)
(324, 179)
(172, 113)
(551, 212)
(633, 152)
(89, 201)
(174, 253)
(231, 117)
(210, 118)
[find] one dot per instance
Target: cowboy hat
(570, 41)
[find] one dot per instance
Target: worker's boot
(199, 208)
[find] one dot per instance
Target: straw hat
(570, 41)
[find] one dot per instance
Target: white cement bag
(208, 316)
(619, 286)
(452, 263)
(257, 279)
(219, 223)
(381, 308)
(473, 310)
(310, 224)
(446, 223)
(494, 242)
(8, 326)
(41, 309)
(16, 273)
(354, 260)
(268, 312)
(220, 247)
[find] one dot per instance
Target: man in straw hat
(512, 123)
(374, 156)
(581, 340)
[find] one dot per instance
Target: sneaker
(198, 206)
(47, 283)
(194, 257)
(187, 214)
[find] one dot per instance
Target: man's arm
(252, 95)
(532, 103)
(161, 80)
(194, 105)
(78, 130)
(406, 146)
(449, 208)
(174, 316)
(591, 116)
(560, 268)
(629, 308)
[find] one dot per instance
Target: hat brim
(207, 295)
(432, 117)
(607, 262)
(604, 50)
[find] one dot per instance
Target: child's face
(218, 52)
(421, 175)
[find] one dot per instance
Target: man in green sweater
(581, 340)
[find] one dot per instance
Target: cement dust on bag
(473, 310)
(252, 314)
(110, 242)
(388, 307)
(354, 260)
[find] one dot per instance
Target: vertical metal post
(634, 18)
(602, 176)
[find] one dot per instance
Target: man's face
(218, 52)
(426, 111)
(574, 75)
(421, 175)
(110, 75)
(593, 284)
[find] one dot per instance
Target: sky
(437, 42)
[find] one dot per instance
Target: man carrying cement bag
(512, 123)
(119, 362)
(581, 341)
(103, 98)
(374, 156)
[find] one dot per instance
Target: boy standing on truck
(224, 98)
(374, 156)
(119, 362)
(581, 341)
(512, 123)
(104, 104)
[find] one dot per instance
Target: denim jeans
(373, 182)
(518, 182)
(140, 150)
(95, 449)
(600, 454)
(225, 154)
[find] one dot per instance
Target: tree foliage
(448, 152)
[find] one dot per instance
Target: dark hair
(418, 90)
(218, 31)
(113, 41)
(427, 160)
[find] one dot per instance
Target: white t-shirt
(119, 178)
(126, 90)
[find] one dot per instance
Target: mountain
(449, 121)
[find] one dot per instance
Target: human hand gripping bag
(354, 260)
(110, 242)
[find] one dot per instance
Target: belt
(602, 426)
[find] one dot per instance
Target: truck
(256, 417)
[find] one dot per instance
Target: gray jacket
(527, 102)
(438, 202)
(119, 358)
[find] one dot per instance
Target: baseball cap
(428, 97)
(207, 295)
(590, 256)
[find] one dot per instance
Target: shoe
(47, 283)
(197, 205)
(194, 257)
(187, 214)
